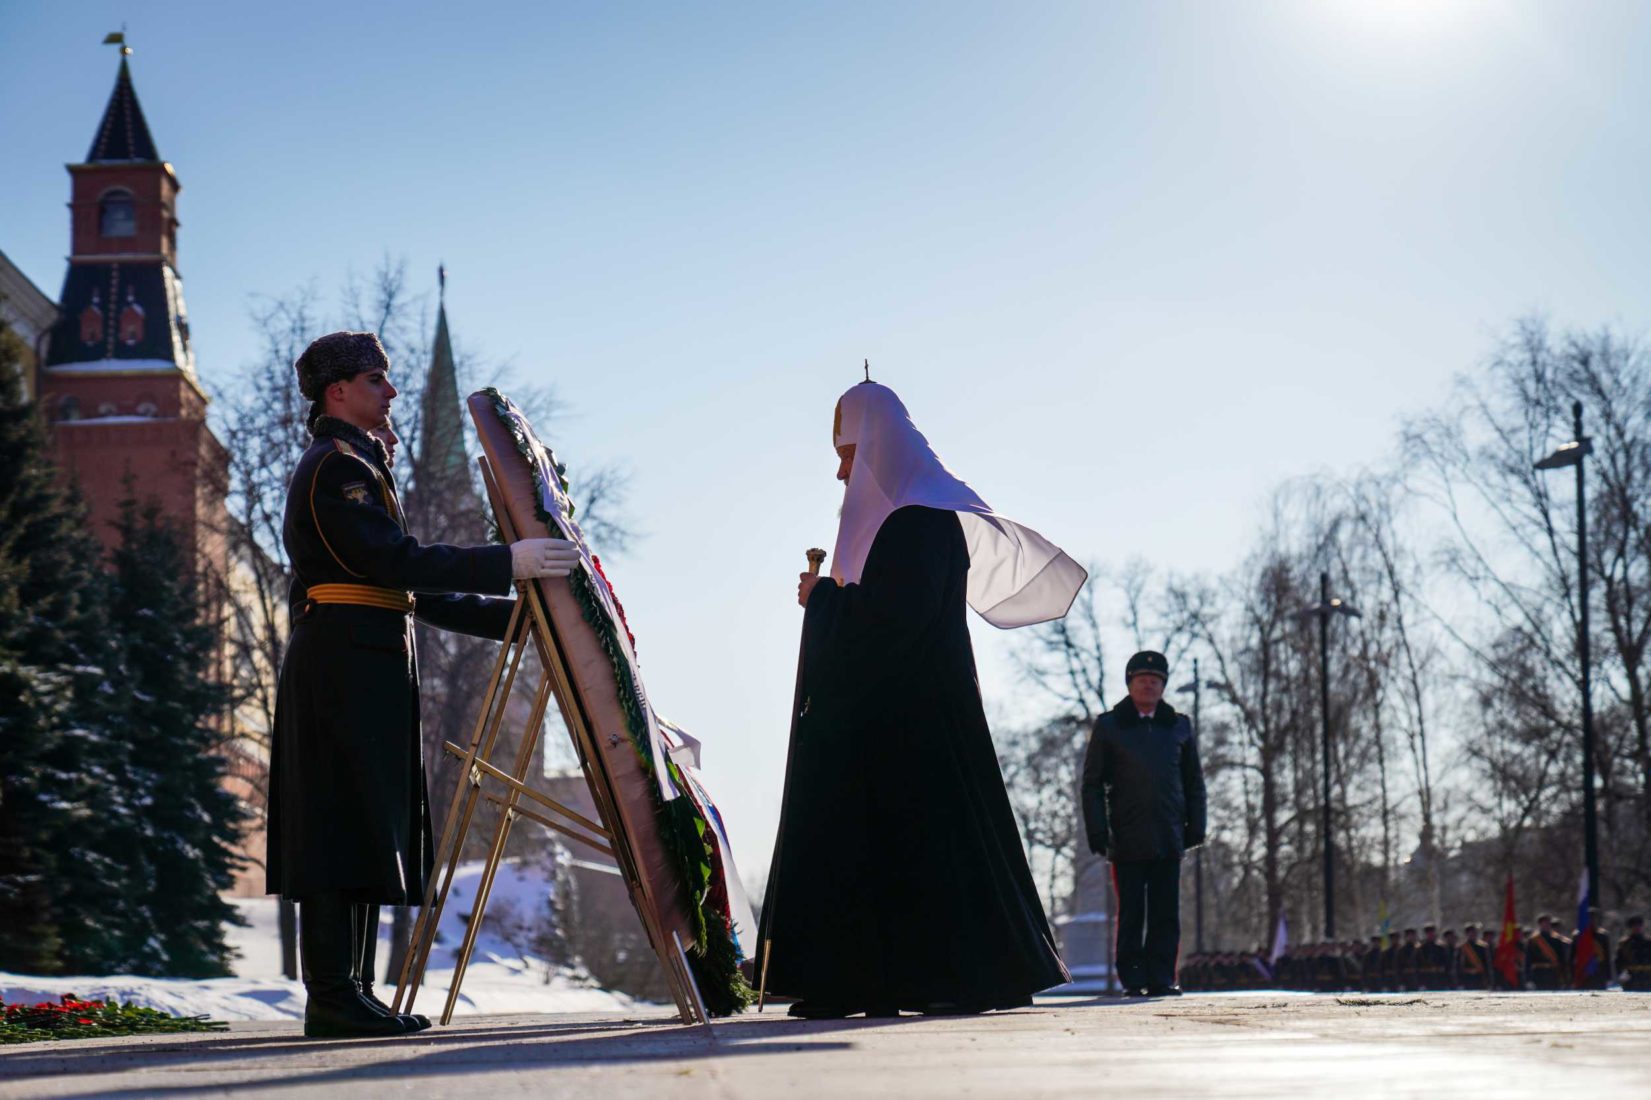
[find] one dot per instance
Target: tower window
(117, 216)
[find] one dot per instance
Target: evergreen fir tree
(57, 882)
(182, 849)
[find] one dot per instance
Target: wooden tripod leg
(688, 974)
(507, 816)
(762, 979)
(465, 793)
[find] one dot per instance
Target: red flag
(1507, 944)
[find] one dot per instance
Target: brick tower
(118, 381)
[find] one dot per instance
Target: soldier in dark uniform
(1375, 976)
(1432, 961)
(1548, 957)
(1598, 975)
(1326, 969)
(1453, 961)
(1407, 963)
(1634, 958)
(349, 820)
(1392, 978)
(1284, 971)
(1473, 959)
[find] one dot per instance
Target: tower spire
(441, 444)
(123, 135)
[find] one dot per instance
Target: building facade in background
(115, 378)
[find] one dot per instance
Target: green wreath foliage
(714, 956)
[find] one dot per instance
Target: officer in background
(1634, 957)
(1432, 961)
(1474, 959)
(349, 819)
(1548, 956)
(1144, 808)
(1453, 978)
(1604, 953)
(1375, 967)
(1408, 963)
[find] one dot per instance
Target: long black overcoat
(348, 808)
(898, 876)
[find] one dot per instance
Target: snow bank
(504, 975)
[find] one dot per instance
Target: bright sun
(1416, 21)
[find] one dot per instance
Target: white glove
(542, 558)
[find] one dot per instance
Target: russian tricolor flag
(1584, 956)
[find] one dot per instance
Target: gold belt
(362, 595)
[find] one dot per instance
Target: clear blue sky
(1130, 265)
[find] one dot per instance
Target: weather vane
(441, 280)
(118, 38)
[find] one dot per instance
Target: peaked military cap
(1147, 661)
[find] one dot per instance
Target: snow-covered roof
(115, 366)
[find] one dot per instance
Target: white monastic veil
(1016, 576)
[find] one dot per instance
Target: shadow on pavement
(472, 1050)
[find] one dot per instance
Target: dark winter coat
(1143, 788)
(348, 810)
(1634, 959)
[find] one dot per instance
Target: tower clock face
(116, 216)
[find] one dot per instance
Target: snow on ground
(504, 975)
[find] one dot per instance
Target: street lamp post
(1197, 687)
(1326, 607)
(1572, 454)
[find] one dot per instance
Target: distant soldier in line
(1548, 957)
(1358, 955)
(1375, 967)
(1408, 963)
(1634, 957)
(1392, 979)
(1600, 978)
(1329, 975)
(1473, 959)
(1453, 962)
(1432, 961)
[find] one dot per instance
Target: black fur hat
(338, 357)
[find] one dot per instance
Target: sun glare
(1417, 22)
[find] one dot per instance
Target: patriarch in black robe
(899, 881)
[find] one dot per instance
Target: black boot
(334, 1008)
(365, 925)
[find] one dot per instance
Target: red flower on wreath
(596, 561)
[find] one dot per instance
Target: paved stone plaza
(1238, 1045)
